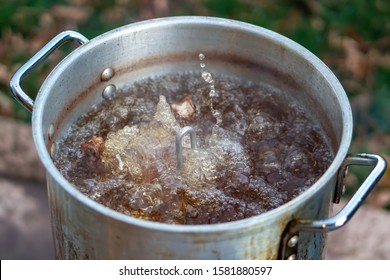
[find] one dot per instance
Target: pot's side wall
(83, 233)
(311, 244)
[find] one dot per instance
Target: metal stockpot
(84, 229)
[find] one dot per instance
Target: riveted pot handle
(290, 239)
(37, 59)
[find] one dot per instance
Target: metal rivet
(50, 132)
(107, 74)
(293, 241)
(109, 91)
(292, 257)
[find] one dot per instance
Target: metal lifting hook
(179, 141)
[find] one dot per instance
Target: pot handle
(290, 237)
(37, 59)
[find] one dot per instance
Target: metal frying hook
(179, 141)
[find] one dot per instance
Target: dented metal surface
(84, 229)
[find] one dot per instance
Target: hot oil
(257, 149)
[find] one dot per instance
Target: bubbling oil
(257, 149)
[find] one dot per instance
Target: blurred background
(351, 36)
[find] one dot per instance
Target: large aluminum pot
(84, 229)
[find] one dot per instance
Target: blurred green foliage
(380, 110)
(23, 15)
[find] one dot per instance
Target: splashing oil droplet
(212, 94)
(207, 77)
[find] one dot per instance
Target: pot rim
(294, 47)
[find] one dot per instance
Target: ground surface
(25, 231)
